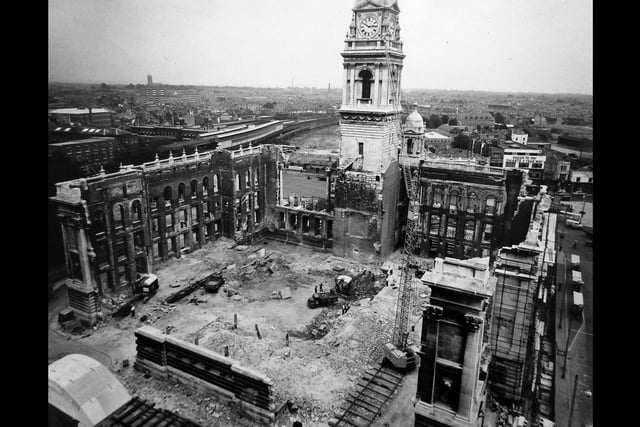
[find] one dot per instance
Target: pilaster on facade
(452, 375)
(127, 221)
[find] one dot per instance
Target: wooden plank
(358, 400)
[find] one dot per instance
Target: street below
(574, 333)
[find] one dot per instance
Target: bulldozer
(326, 298)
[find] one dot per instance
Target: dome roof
(84, 389)
(414, 122)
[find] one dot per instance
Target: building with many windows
(518, 156)
(91, 153)
(466, 208)
(98, 117)
(117, 225)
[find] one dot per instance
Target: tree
(453, 122)
(461, 141)
(445, 119)
(498, 117)
(434, 121)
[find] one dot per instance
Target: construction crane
(401, 352)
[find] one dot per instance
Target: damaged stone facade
(117, 225)
(465, 208)
(366, 211)
(452, 376)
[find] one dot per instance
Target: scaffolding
(513, 321)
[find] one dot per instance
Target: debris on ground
(313, 355)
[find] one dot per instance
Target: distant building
(539, 119)
(521, 157)
(437, 140)
(74, 133)
(91, 153)
(582, 179)
(519, 137)
(149, 79)
(476, 119)
(98, 117)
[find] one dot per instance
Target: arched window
(118, 215)
(98, 222)
(215, 183)
(136, 211)
(410, 146)
(473, 203)
(366, 77)
(256, 176)
(194, 188)
(181, 191)
(248, 181)
(205, 186)
(236, 182)
(167, 195)
(490, 205)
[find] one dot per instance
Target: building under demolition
(452, 377)
(465, 208)
(117, 225)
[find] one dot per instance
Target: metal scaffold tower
(401, 352)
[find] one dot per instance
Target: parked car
(572, 223)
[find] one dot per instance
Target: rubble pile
(156, 311)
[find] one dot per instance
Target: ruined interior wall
(357, 226)
(390, 199)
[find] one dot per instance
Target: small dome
(414, 122)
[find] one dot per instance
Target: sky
(540, 46)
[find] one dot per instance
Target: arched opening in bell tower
(367, 78)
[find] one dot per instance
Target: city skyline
(516, 46)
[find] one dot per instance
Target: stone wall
(165, 356)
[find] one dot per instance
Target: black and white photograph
(343, 213)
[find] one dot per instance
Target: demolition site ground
(267, 286)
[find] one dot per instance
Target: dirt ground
(327, 352)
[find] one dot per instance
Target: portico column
(374, 96)
(353, 86)
(87, 277)
(344, 79)
(468, 381)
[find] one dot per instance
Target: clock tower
(368, 181)
(370, 110)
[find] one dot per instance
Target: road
(580, 338)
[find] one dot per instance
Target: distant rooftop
(78, 111)
(80, 141)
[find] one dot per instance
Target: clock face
(369, 27)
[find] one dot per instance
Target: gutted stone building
(466, 208)
(116, 225)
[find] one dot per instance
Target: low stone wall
(164, 356)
